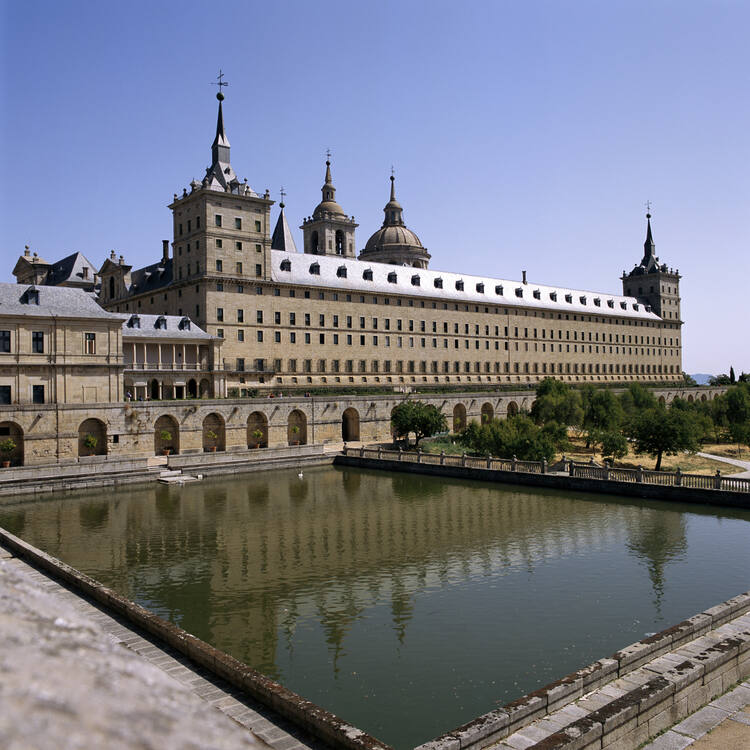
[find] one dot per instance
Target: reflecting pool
(405, 604)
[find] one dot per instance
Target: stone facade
(49, 433)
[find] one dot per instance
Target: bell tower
(654, 284)
(329, 231)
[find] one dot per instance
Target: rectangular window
(292, 365)
(89, 343)
(238, 223)
(220, 314)
(219, 265)
(241, 364)
(322, 320)
(307, 338)
(5, 395)
(277, 336)
(4, 341)
(260, 337)
(37, 394)
(240, 335)
(257, 226)
(217, 219)
(37, 342)
(292, 319)
(292, 338)
(220, 333)
(239, 268)
(218, 243)
(322, 338)
(258, 270)
(259, 316)
(241, 316)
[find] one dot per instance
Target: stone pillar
(678, 477)
(717, 480)
(442, 458)
(639, 474)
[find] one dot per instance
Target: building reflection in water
(267, 564)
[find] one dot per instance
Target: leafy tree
(424, 420)
(718, 411)
(744, 377)
(613, 444)
(722, 379)
(738, 413)
(657, 431)
(602, 413)
(557, 402)
(731, 375)
(515, 436)
(689, 380)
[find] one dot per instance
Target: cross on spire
(648, 207)
(328, 154)
(283, 195)
(220, 82)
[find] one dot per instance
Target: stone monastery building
(329, 317)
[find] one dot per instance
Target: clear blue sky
(525, 135)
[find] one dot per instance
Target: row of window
(423, 366)
(37, 342)
(37, 394)
(348, 322)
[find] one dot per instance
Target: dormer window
(392, 277)
(30, 297)
(460, 285)
(624, 305)
(635, 307)
(134, 322)
(569, 299)
(286, 265)
(315, 269)
(161, 323)
(415, 280)
(341, 272)
(519, 291)
(610, 303)
(438, 283)
(582, 298)
(184, 324)
(553, 296)
(367, 274)
(597, 302)
(648, 308)
(537, 294)
(499, 289)
(480, 288)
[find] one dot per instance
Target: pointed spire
(282, 238)
(328, 190)
(648, 246)
(220, 146)
(393, 209)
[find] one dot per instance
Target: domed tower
(329, 231)
(394, 243)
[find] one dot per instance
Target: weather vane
(283, 195)
(328, 154)
(219, 82)
(393, 171)
(648, 206)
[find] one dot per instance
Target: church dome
(394, 242)
(328, 205)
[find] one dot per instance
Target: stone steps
(175, 476)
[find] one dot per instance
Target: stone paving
(724, 724)
(74, 676)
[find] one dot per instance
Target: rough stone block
(492, 726)
(701, 722)
(523, 711)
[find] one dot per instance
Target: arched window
(314, 243)
(339, 242)
(111, 286)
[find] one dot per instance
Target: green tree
(602, 413)
(738, 413)
(557, 402)
(613, 444)
(731, 375)
(515, 436)
(657, 431)
(722, 379)
(689, 380)
(424, 420)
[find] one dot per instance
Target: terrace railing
(571, 468)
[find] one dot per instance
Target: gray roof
(151, 278)
(172, 327)
(282, 235)
(70, 269)
(53, 301)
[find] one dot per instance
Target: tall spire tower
(329, 231)
(282, 238)
(654, 284)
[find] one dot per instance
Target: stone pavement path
(75, 676)
(724, 724)
(734, 461)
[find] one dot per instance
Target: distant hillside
(701, 378)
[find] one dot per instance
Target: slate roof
(54, 301)
(70, 269)
(151, 278)
(175, 327)
(344, 274)
(282, 235)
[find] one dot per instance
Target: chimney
(523, 273)
(165, 250)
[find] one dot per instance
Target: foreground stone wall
(55, 433)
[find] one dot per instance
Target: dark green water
(405, 604)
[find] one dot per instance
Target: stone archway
(92, 438)
(459, 417)
(487, 413)
(166, 435)
(192, 388)
(214, 433)
(690, 398)
(296, 431)
(661, 400)
(350, 425)
(10, 432)
(512, 409)
(153, 388)
(703, 397)
(257, 430)
(205, 388)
